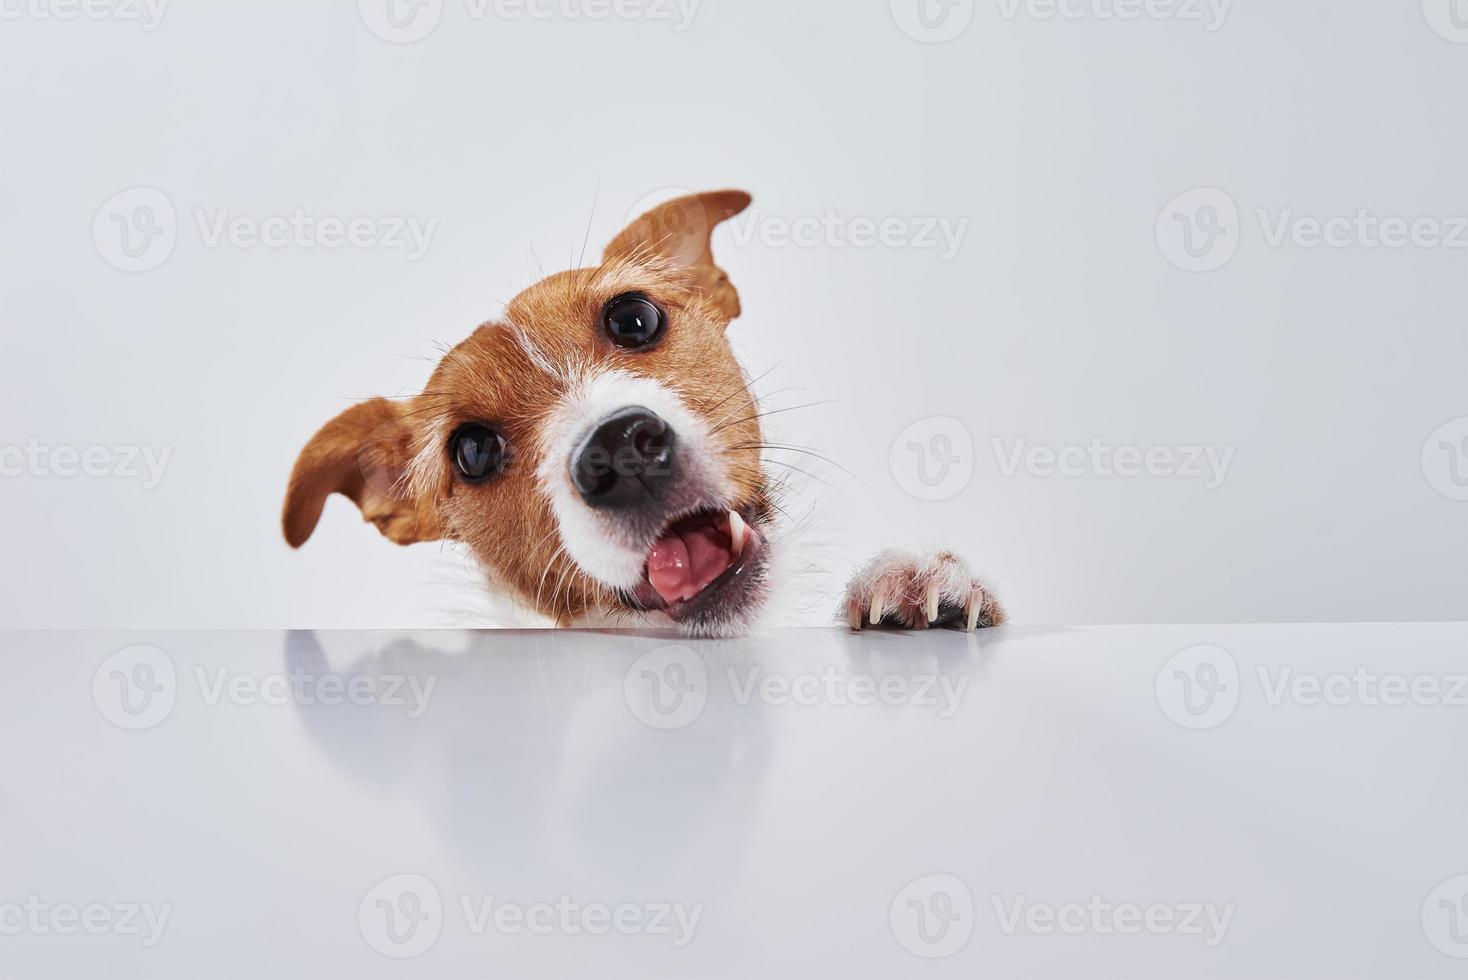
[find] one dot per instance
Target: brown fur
(391, 458)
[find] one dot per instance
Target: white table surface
(271, 822)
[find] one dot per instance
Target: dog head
(597, 449)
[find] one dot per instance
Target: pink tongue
(682, 563)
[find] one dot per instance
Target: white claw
(737, 531)
(879, 602)
(975, 603)
(932, 605)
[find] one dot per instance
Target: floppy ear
(360, 454)
(680, 231)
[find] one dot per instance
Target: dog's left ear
(681, 231)
(361, 454)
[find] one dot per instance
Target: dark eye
(478, 452)
(632, 321)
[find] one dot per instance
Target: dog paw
(899, 590)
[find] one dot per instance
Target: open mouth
(698, 561)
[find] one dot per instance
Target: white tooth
(736, 533)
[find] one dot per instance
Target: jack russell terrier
(598, 449)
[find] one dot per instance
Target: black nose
(625, 460)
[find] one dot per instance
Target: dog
(598, 450)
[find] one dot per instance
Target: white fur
(594, 543)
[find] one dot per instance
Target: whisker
(596, 194)
(744, 387)
(791, 466)
(781, 447)
(775, 411)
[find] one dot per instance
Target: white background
(1061, 318)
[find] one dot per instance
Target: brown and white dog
(598, 449)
